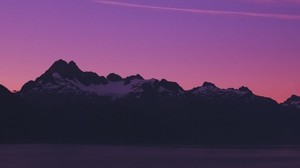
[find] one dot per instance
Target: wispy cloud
(279, 2)
(201, 11)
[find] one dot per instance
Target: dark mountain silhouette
(4, 91)
(114, 77)
(64, 78)
(17, 119)
(68, 105)
(293, 102)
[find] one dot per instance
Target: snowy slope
(209, 92)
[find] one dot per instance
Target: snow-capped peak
(208, 84)
(209, 91)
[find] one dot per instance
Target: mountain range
(68, 105)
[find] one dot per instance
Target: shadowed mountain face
(6, 99)
(66, 104)
(293, 102)
(17, 121)
(4, 90)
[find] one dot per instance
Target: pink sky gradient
(230, 50)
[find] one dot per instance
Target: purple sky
(231, 43)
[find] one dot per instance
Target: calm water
(93, 156)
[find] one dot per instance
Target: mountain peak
(293, 101)
(208, 84)
(295, 97)
(58, 65)
(128, 79)
(114, 77)
(244, 89)
(73, 64)
(137, 76)
(63, 68)
(172, 86)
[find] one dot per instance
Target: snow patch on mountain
(56, 76)
(211, 91)
(113, 89)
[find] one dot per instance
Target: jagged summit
(293, 101)
(64, 69)
(114, 77)
(208, 84)
(294, 97)
(61, 70)
(245, 89)
(133, 77)
(243, 95)
(172, 86)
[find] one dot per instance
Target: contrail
(201, 11)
